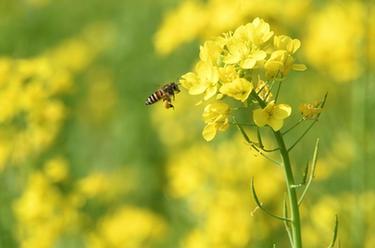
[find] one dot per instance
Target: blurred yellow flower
(192, 19)
(239, 89)
(272, 115)
(42, 212)
(189, 16)
(128, 227)
(57, 169)
(32, 111)
(333, 39)
(213, 182)
(215, 116)
(95, 184)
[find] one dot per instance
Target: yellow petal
(296, 44)
(197, 89)
(210, 92)
(232, 59)
(281, 111)
(188, 80)
(209, 132)
(259, 55)
(260, 117)
(276, 124)
(248, 63)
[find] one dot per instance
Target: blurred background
(83, 163)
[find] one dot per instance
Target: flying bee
(165, 93)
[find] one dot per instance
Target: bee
(165, 93)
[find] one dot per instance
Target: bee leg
(168, 104)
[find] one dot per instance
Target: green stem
(292, 195)
(289, 180)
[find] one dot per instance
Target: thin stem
(261, 146)
(243, 124)
(303, 135)
(271, 150)
(259, 204)
(294, 126)
(311, 125)
(293, 202)
(269, 92)
(289, 180)
(286, 224)
(264, 155)
(253, 144)
(312, 174)
(278, 91)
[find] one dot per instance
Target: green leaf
(335, 232)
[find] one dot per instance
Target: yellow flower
(242, 53)
(284, 42)
(257, 32)
(280, 63)
(204, 80)
(272, 115)
(215, 116)
(309, 111)
(210, 52)
(227, 74)
(239, 89)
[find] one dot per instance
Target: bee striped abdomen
(156, 96)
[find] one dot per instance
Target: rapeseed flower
(280, 63)
(272, 115)
(203, 80)
(239, 89)
(215, 116)
(243, 54)
(257, 32)
(227, 74)
(309, 111)
(231, 62)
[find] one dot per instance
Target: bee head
(175, 87)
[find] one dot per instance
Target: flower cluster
(31, 97)
(238, 64)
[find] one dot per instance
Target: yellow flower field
(268, 141)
